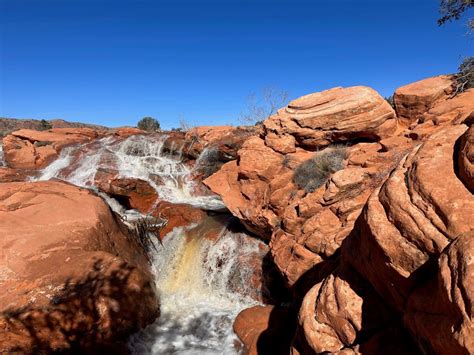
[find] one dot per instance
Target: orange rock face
(264, 330)
(71, 276)
(440, 312)
(418, 211)
(29, 149)
(132, 193)
(415, 99)
(335, 115)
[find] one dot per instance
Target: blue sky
(112, 62)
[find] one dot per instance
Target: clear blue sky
(112, 62)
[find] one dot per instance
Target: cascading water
(2, 159)
(139, 157)
(202, 283)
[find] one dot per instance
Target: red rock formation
(70, 275)
(417, 212)
(29, 149)
(335, 115)
(441, 312)
(415, 99)
(264, 330)
(132, 193)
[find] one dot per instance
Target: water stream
(202, 282)
(2, 159)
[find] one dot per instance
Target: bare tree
(260, 107)
(184, 124)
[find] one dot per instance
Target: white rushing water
(197, 280)
(202, 284)
(139, 157)
(2, 159)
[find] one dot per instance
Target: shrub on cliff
(313, 173)
(148, 124)
(465, 76)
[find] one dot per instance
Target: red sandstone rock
(466, 159)
(132, 193)
(415, 99)
(11, 175)
(70, 275)
(418, 211)
(440, 313)
(126, 132)
(264, 330)
(335, 115)
(177, 215)
(29, 149)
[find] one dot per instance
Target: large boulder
(335, 115)
(407, 222)
(466, 159)
(73, 277)
(343, 313)
(130, 192)
(415, 99)
(265, 330)
(440, 313)
(29, 149)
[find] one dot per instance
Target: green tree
(453, 9)
(44, 125)
(148, 124)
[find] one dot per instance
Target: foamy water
(2, 159)
(196, 278)
(139, 157)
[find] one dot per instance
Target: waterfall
(202, 283)
(197, 280)
(139, 157)
(2, 159)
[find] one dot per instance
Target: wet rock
(12, 175)
(73, 279)
(131, 193)
(177, 215)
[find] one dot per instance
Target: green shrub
(44, 125)
(314, 173)
(390, 101)
(148, 124)
(465, 76)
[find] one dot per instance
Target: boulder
(177, 215)
(130, 192)
(335, 115)
(440, 313)
(415, 99)
(73, 278)
(29, 149)
(265, 329)
(408, 221)
(125, 132)
(12, 175)
(466, 159)
(342, 313)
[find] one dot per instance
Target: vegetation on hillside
(148, 124)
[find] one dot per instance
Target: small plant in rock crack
(314, 173)
(144, 230)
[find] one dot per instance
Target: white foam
(196, 278)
